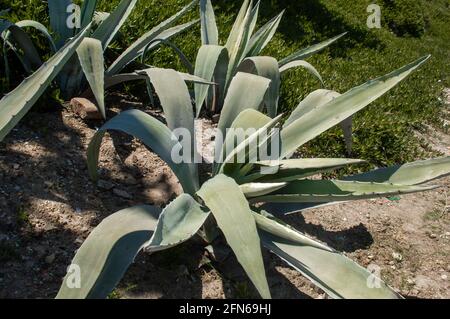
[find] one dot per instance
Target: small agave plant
(91, 38)
(237, 197)
(241, 53)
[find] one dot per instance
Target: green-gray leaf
(234, 217)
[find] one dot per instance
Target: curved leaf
(152, 133)
(211, 64)
(14, 105)
(408, 174)
(303, 64)
(108, 252)
(305, 53)
(90, 54)
(41, 28)
(331, 271)
(328, 115)
(210, 34)
(320, 191)
(234, 217)
(179, 221)
(247, 91)
(266, 67)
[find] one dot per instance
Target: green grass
(410, 29)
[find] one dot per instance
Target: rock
(16, 166)
(432, 236)
(121, 193)
(410, 281)
(85, 109)
(444, 277)
(397, 256)
(105, 185)
(50, 259)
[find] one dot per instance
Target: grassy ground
(410, 29)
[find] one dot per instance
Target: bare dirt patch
(48, 206)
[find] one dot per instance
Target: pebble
(105, 185)
(410, 281)
(50, 259)
(444, 277)
(121, 193)
(16, 166)
(397, 256)
(432, 236)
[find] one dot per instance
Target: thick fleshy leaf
(294, 169)
(110, 249)
(179, 221)
(332, 113)
(260, 189)
(247, 150)
(239, 37)
(408, 174)
(177, 109)
(14, 105)
(337, 275)
(111, 25)
(210, 34)
(41, 28)
(211, 65)
(136, 49)
(58, 11)
(247, 91)
(305, 53)
(110, 81)
(166, 35)
(152, 133)
(188, 65)
(266, 67)
(107, 253)
(247, 121)
(319, 191)
(87, 12)
(263, 36)
(234, 217)
(313, 100)
(274, 226)
(90, 54)
(19, 41)
(303, 64)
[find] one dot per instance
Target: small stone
(121, 193)
(410, 281)
(79, 240)
(393, 267)
(16, 166)
(447, 234)
(397, 256)
(444, 277)
(105, 185)
(432, 236)
(370, 257)
(50, 259)
(85, 109)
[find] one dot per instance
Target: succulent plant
(89, 63)
(243, 198)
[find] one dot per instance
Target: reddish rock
(85, 109)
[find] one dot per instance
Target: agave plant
(237, 197)
(241, 53)
(88, 66)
